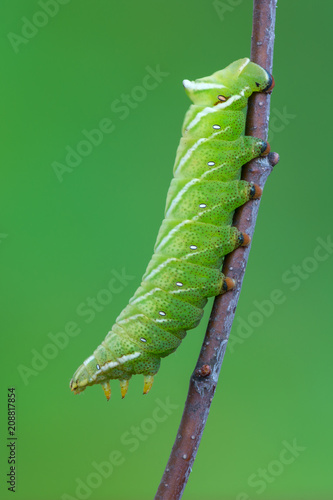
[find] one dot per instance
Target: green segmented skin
(195, 234)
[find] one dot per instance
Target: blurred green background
(66, 232)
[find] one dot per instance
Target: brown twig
(205, 376)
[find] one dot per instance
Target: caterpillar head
(93, 372)
(84, 375)
(78, 383)
(231, 85)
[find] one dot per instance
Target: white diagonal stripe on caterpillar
(246, 62)
(171, 233)
(181, 193)
(191, 150)
(192, 85)
(208, 110)
(128, 357)
(87, 361)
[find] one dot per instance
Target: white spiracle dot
(193, 247)
(98, 367)
(179, 283)
(161, 313)
(211, 163)
(216, 127)
(143, 339)
(202, 205)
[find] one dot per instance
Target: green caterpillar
(195, 234)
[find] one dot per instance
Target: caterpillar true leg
(148, 382)
(123, 387)
(195, 234)
(107, 389)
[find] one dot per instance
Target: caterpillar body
(195, 234)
